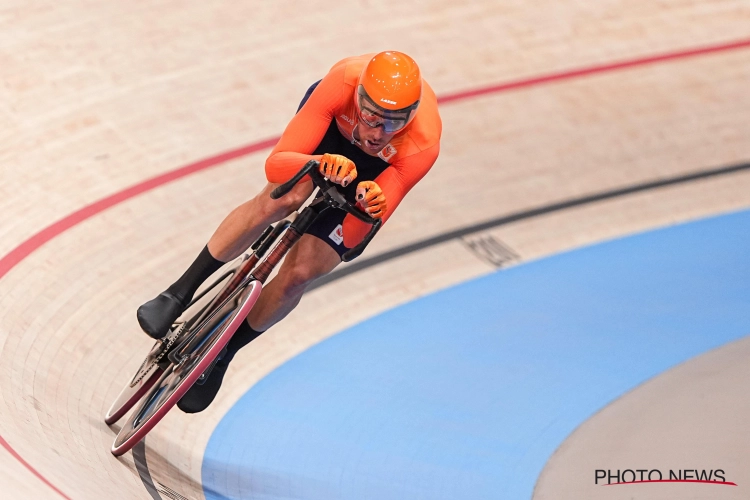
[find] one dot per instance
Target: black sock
(203, 267)
(243, 336)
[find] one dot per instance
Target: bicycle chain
(170, 341)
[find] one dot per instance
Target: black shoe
(198, 397)
(157, 315)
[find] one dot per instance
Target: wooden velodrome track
(97, 97)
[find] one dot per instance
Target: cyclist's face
(372, 139)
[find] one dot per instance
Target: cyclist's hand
(338, 169)
(371, 198)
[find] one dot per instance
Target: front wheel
(175, 381)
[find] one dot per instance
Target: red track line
(604, 68)
(19, 253)
(37, 240)
(726, 483)
(32, 469)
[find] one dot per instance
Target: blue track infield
(466, 393)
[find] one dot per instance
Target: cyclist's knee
(274, 210)
(297, 277)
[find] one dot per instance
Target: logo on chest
(387, 152)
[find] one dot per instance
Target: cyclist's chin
(372, 141)
(372, 147)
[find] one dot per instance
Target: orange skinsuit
(410, 153)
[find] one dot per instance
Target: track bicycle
(197, 339)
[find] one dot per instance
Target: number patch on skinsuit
(337, 235)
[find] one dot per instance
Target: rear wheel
(174, 382)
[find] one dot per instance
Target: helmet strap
(356, 141)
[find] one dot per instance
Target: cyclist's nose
(377, 134)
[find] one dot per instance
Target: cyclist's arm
(395, 181)
(306, 129)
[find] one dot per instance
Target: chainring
(157, 353)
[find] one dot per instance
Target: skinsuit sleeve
(395, 181)
(306, 129)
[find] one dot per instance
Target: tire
(175, 381)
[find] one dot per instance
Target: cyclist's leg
(307, 261)
(233, 236)
(245, 223)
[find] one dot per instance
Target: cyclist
(371, 119)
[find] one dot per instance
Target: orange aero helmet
(388, 91)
